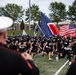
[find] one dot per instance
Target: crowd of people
(17, 52)
(57, 45)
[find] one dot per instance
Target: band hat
(5, 23)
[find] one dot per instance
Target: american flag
(67, 29)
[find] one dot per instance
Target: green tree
(22, 25)
(13, 11)
(33, 26)
(1, 11)
(72, 11)
(35, 13)
(57, 11)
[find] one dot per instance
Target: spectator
(72, 68)
(12, 63)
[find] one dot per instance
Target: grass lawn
(64, 70)
(19, 32)
(47, 67)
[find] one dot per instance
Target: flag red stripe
(53, 28)
(64, 29)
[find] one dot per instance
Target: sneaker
(52, 54)
(70, 63)
(60, 55)
(50, 58)
(57, 58)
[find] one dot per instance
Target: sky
(43, 4)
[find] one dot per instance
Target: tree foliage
(35, 13)
(72, 11)
(1, 11)
(13, 11)
(57, 11)
(22, 25)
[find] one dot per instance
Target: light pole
(29, 15)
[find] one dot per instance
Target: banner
(48, 27)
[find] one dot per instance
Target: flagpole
(41, 30)
(29, 15)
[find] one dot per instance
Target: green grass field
(45, 66)
(19, 32)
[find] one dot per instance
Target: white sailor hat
(5, 23)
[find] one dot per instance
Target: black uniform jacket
(11, 63)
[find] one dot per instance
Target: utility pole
(29, 15)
